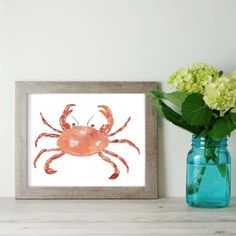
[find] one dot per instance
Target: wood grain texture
(113, 217)
(23, 191)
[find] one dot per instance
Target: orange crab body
(82, 141)
(79, 140)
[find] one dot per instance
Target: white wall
(112, 40)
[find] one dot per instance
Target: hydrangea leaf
(204, 133)
(222, 169)
(233, 117)
(195, 111)
(222, 127)
(174, 117)
(177, 98)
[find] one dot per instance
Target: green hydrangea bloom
(221, 94)
(232, 76)
(194, 78)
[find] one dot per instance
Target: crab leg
(46, 123)
(119, 157)
(66, 112)
(117, 172)
(45, 135)
(121, 128)
(105, 110)
(42, 151)
(125, 141)
(49, 170)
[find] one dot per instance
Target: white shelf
(167, 216)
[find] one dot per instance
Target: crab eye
(92, 125)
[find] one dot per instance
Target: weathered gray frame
(23, 191)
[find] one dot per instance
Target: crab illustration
(79, 140)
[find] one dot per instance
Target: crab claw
(105, 110)
(50, 171)
(66, 112)
(114, 176)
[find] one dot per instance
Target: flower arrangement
(205, 101)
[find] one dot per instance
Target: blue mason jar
(208, 182)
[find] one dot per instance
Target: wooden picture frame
(24, 191)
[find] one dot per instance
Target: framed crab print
(85, 140)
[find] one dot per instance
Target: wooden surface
(113, 218)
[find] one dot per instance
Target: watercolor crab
(79, 140)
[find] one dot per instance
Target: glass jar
(208, 182)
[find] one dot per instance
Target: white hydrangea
(232, 76)
(221, 94)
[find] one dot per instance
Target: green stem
(209, 154)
